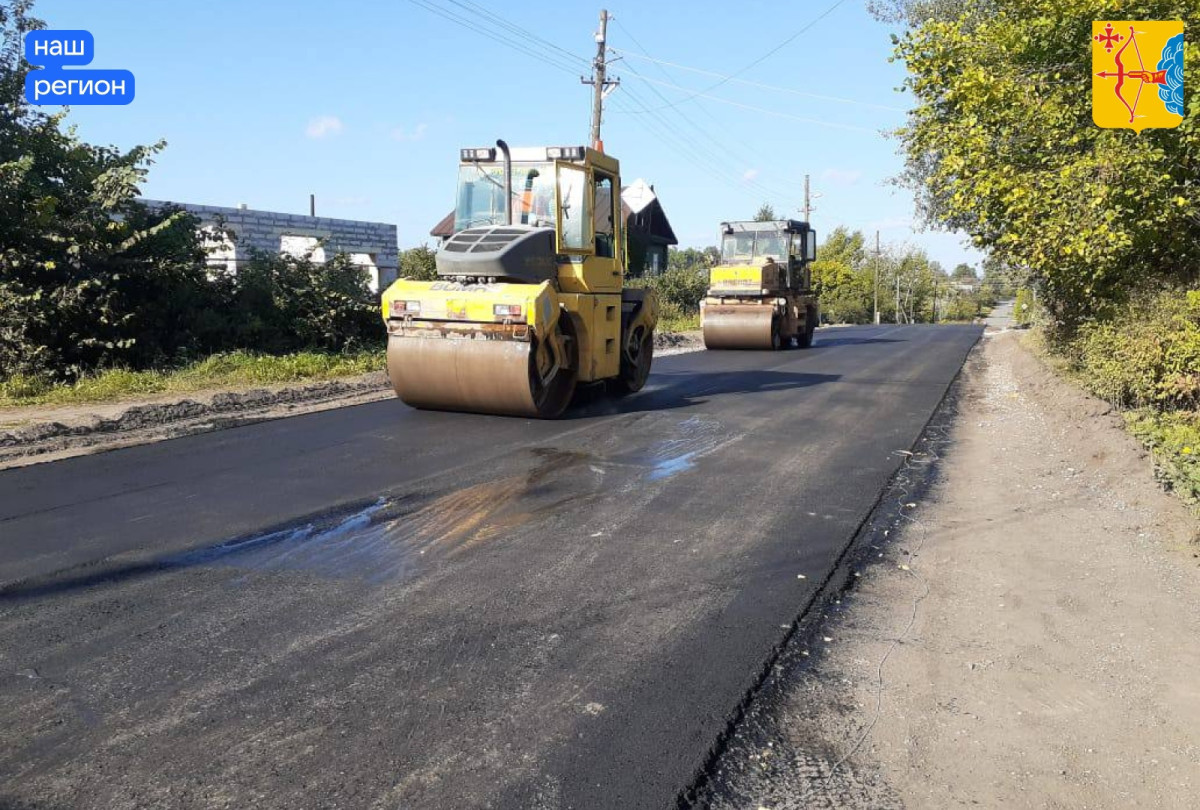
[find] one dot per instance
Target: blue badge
(53, 51)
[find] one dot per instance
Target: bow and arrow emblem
(1141, 75)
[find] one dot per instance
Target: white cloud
(750, 175)
(324, 125)
(842, 177)
(416, 134)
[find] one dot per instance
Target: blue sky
(366, 104)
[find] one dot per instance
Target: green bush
(418, 264)
(1147, 357)
(1174, 439)
(679, 289)
(963, 307)
(278, 304)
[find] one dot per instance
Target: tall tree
(1000, 144)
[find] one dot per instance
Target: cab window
(605, 224)
(574, 209)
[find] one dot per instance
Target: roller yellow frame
(530, 298)
(760, 292)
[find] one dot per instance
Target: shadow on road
(825, 343)
(671, 391)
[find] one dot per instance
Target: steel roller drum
(738, 327)
(467, 374)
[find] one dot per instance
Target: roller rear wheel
(805, 338)
(635, 362)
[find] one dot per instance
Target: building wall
(370, 244)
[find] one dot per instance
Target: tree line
(849, 278)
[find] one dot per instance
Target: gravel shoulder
(1023, 635)
(36, 434)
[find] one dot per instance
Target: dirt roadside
(35, 434)
(1033, 619)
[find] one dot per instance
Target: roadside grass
(1171, 434)
(678, 322)
(229, 370)
(238, 369)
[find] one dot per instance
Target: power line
(791, 90)
(762, 58)
(766, 110)
(657, 63)
(718, 156)
(525, 33)
(521, 40)
(661, 129)
(722, 153)
(529, 47)
(712, 161)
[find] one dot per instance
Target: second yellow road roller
(760, 292)
(530, 298)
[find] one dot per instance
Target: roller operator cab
(530, 298)
(760, 292)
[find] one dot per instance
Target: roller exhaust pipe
(508, 206)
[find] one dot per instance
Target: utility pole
(876, 277)
(599, 81)
(807, 203)
(897, 294)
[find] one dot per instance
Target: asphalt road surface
(381, 607)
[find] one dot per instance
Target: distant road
(456, 610)
(1001, 316)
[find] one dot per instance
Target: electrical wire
(760, 85)
(702, 165)
(718, 154)
(529, 47)
(762, 58)
(764, 110)
(520, 39)
(724, 150)
(664, 130)
(525, 33)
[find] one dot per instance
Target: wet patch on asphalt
(389, 539)
(395, 538)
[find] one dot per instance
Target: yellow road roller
(530, 298)
(760, 292)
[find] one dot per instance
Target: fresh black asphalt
(381, 607)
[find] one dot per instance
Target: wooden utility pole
(807, 203)
(876, 277)
(599, 80)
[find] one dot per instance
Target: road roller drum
(741, 326)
